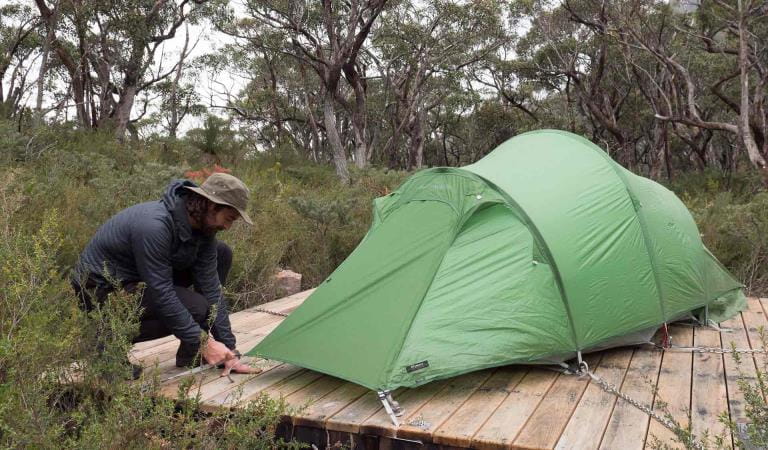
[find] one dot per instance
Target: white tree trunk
(745, 131)
(331, 129)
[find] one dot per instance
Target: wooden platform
(507, 407)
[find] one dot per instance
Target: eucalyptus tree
(109, 50)
(568, 53)
(274, 99)
(179, 93)
(19, 46)
(326, 38)
(716, 66)
(425, 49)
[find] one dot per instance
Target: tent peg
(583, 366)
(390, 406)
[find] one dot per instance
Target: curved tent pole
(617, 169)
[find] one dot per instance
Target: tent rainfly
(544, 249)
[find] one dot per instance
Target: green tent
(543, 249)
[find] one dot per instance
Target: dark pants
(151, 324)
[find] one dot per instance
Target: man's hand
(216, 353)
(237, 366)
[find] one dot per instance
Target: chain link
(266, 311)
(715, 350)
(612, 389)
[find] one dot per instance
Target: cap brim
(219, 201)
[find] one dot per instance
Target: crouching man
(170, 245)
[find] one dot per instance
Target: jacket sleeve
(151, 241)
(207, 283)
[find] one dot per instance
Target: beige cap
(225, 189)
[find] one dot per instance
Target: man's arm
(206, 280)
(151, 242)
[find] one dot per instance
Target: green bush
(736, 231)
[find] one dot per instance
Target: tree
(18, 45)
(426, 47)
(327, 37)
(108, 49)
(720, 83)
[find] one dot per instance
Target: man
(170, 245)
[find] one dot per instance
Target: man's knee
(195, 303)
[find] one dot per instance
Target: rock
(287, 282)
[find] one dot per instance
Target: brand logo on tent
(417, 366)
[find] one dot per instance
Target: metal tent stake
(390, 406)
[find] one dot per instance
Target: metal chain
(612, 389)
(715, 350)
(274, 313)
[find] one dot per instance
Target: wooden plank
(317, 413)
(242, 322)
(318, 389)
(139, 346)
(459, 429)
(283, 305)
(350, 418)
(674, 386)
(290, 385)
(164, 356)
(171, 387)
(547, 422)
(708, 396)
(755, 318)
(628, 425)
(255, 324)
(411, 400)
(587, 424)
(745, 369)
(507, 407)
(442, 406)
(244, 391)
(500, 430)
(210, 383)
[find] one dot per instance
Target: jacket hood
(173, 201)
(174, 191)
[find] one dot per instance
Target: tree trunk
(44, 66)
(332, 131)
(361, 147)
(745, 130)
(78, 95)
(359, 116)
(123, 111)
(416, 135)
(315, 145)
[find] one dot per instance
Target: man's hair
(197, 206)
